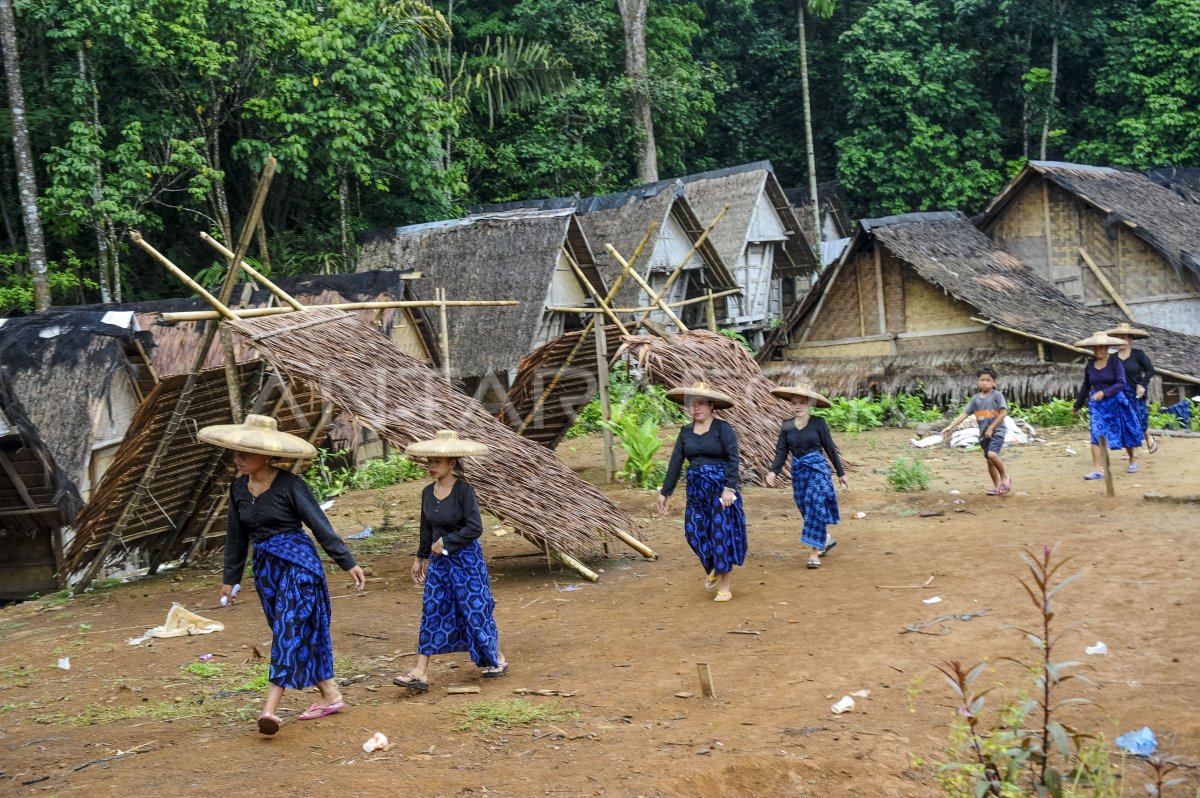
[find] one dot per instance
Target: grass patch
(11, 676)
(205, 670)
(257, 679)
(906, 476)
(97, 715)
(487, 716)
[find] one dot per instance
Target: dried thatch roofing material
(186, 497)
(402, 400)
(943, 378)
(727, 366)
(739, 187)
(1153, 213)
(488, 256)
(951, 253)
(574, 388)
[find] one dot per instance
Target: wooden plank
(17, 482)
(879, 289)
(1105, 284)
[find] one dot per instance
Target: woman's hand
(843, 482)
(770, 479)
(418, 569)
(662, 503)
(728, 497)
(359, 577)
(439, 547)
(226, 595)
(1140, 392)
(1098, 395)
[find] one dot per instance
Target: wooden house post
(605, 403)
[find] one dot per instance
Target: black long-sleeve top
(455, 519)
(1138, 369)
(286, 504)
(1110, 380)
(718, 446)
(814, 437)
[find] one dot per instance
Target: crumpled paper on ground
(180, 622)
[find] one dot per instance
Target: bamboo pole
(601, 303)
(252, 313)
(627, 268)
(573, 564)
(677, 304)
(674, 275)
(635, 544)
(250, 270)
(704, 672)
(637, 278)
(222, 310)
(605, 404)
(1106, 285)
(443, 333)
(1109, 489)
(710, 312)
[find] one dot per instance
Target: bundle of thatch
(403, 400)
(680, 360)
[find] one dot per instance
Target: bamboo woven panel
(403, 400)
(682, 359)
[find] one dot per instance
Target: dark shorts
(992, 444)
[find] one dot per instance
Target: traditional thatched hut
(36, 501)
(760, 240)
(918, 301)
(526, 255)
(1109, 238)
(623, 219)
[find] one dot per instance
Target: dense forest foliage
(157, 115)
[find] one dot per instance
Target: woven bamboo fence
(386, 390)
(723, 363)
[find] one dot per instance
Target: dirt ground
(625, 649)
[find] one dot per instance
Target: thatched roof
(622, 219)
(1157, 215)
(402, 400)
(1183, 181)
(181, 508)
(60, 366)
(739, 187)
(951, 253)
(510, 255)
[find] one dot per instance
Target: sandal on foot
(1005, 487)
(1133, 468)
(321, 710)
(1152, 448)
(410, 681)
(723, 595)
(268, 724)
(814, 562)
(495, 673)
(1091, 475)
(994, 491)
(828, 546)
(710, 581)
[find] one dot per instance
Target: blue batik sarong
(1114, 418)
(291, 586)
(716, 534)
(457, 610)
(1141, 411)
(812, 488)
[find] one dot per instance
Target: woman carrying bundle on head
(457, 609)
(267, 506)
(714, 522)
(806, 438)
(1111, 415)
(1138, 372)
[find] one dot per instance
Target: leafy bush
(327, 480)
(851, 415)
(640, 442)
(1055, 413)
(643, 402)
(1161, 420)
(729, 332)
(906, 476)
(905, 409)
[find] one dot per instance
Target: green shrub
(327, 480)
(906, 476)
(640, 441)
(904, 409)
(643, 402)
(737, 336)
(851, 415)
(1055, 413)
(1161, 420)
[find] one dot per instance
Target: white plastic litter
(1099, 648)
(861, 693)
(845, 705)
(932, 600)
(926, 442)
(378, 740)
(326, 505)
(860, 515)
(180, 622)
(64, 663)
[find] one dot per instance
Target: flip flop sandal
(829, 544)
(1133, 468)
(321, 710)
(994, 492)
(723, 595)
(496, 673)
(1153, 447)
(1091, 475)
(268, 724)
(710, 581)
(814, 563)
(1006, 487)
(411, 682)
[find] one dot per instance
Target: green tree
(923, 136)
(1147, 109)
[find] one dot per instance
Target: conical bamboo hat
(258, 435)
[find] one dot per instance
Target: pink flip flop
(321, 710)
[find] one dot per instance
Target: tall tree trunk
(114, 257)
(344, 217)
(633, 16)
(808, 132)
(1060, 9)
(26, 182)
(100, 224)
(1025, 99)
(220, 201)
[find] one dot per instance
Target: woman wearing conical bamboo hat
(1138, 373)
(1111, 415)
(267, 506)
(457, 609)
(713, 520)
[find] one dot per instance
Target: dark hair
(988, 370)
